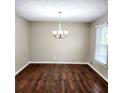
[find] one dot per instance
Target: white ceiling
(72, 10)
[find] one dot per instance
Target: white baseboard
(22, 68)
(44, 62)
(98, 72)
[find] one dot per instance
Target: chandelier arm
(54, 35)
(60, 36)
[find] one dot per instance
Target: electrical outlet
(54, 57)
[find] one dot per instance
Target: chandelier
(59, 34)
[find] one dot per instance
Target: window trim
(97, 61)
(104, 65)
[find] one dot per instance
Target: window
(101, 51)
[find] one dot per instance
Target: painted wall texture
(21, 42)
(75, 47)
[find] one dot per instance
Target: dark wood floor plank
(59, 78)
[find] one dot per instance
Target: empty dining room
(61, 46)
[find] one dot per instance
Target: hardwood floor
(59, 78)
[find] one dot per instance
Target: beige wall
(99, 67)
(45, 48)
(21, 42)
